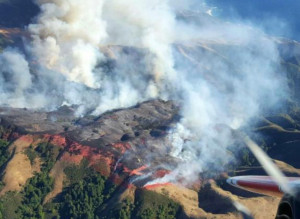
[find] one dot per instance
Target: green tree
(82, 198)
(4, 154)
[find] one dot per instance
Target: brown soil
(213, 202)
(19, 169)
(186, 197)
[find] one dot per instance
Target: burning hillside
(120, 142)
(117, 109)
(127, 146)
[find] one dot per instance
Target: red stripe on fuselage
(261, 187)
(260, 184)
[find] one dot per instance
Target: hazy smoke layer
(105, 54)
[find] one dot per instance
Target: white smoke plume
(107, 54)
(15, 77)
(66, 38)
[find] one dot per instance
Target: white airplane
(289, 206)
(276, 184)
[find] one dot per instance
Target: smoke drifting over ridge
(103, 55)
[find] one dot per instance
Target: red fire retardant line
(153, 186)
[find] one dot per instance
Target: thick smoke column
(107, 54)
(67, 36)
